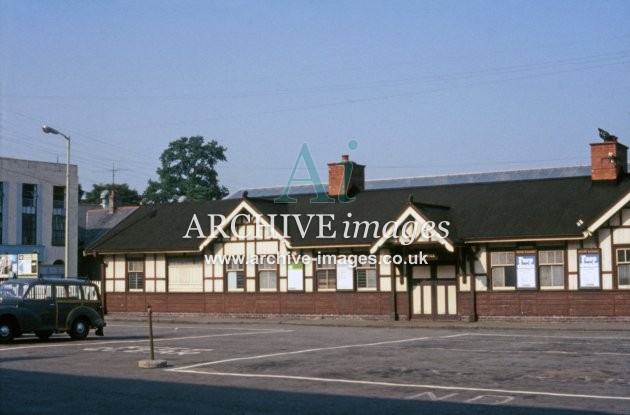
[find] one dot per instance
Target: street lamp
(66, 262)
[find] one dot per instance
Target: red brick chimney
(609, 160)
(337, 175)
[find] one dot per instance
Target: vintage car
(49, 305)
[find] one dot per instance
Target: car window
(12, 289)
(74, 292)
(89, 293)
(61, 292)
(39, 292)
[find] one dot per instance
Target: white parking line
(83, 344)
(403, 385)
(318, 349)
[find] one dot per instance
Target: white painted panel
(401, 286)
(160, 266)
(308, 285)
(234, 248)
(573, 282)
(572, 258)
(160, 286)
(208, 285)
(119, 267)
(481, 266)
(452, 299)
(119, 286)
(441, 299)
(267, 248)
(109, 285)
(283, 285)
(185, 275)
(464, 286)
(251, 284)
(109, 269)
(446, 271)
(386, 283)
(417, 299)
(149, 266)
(621, 235)
(218, 285)
(283, 270)
(421, 272)
(605, 243)
(625, 217)
(614, 220)
(481, 283)
(426, 299)
(607, 281)
(384, 269)
(149, 286)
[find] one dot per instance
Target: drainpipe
(473, 288)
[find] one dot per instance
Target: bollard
(151, 331)
(151, 363)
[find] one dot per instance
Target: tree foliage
(124, 195)
(188, 169)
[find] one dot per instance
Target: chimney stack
(609, 159)
(112, 202)
(339, 184)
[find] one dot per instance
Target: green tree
(188, 169)
(124, 195)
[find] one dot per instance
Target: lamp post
(66, 262)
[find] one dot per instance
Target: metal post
(66, 260)
(151, 331)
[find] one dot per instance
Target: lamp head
(49, 130)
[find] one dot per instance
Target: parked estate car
(49, 305)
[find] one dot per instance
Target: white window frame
(553, 260)
(137, 273)
(267, 271)
(233, 273)
(623, 262)
(502, 260)
(367, 269)
(329, 273)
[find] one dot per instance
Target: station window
(623, 267)
(135, 274)
(503, 270)
(29, 214)
(551, 269)
(236, 274)
(59, 216)
(366, 275)
(326, 273)
(267, 273)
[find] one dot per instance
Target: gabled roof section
(160, 228)
(420, 215)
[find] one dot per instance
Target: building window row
(544, 269)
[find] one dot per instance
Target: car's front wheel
(7, 331)
(80, 328)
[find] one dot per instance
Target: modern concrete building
(32, 218)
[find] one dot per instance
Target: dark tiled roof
(510, 209)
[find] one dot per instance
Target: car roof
(52, 280)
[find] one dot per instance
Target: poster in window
(345, 276)
(589, 269)
(296, 277)
(27, 265)
(8, 266)
(526, 271)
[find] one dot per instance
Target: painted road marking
(319, 349)
(404, 385)
(177, 351)
(82, 344)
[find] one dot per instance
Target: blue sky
(425, 87)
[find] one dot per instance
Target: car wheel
(44, 335)
(80, 328)
(7, 331)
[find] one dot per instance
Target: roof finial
(410, 198)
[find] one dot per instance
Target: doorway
(434, 291)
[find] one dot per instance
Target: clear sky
(425, 87)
